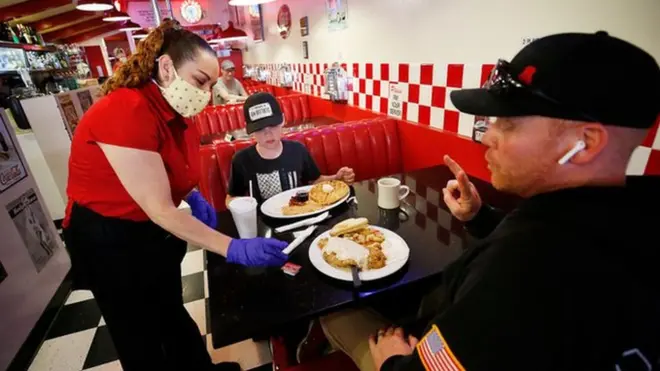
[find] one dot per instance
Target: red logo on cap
(527, 74)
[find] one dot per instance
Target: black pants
(133, 270)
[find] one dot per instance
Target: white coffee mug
(391, 192)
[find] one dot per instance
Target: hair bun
(170, 24)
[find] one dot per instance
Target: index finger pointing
(452, 165)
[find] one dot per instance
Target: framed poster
(337, 11)
(305, 50)
(284, 23)
(85, 98)
(256, 22)
(68, 112)
(34, 227)
(398, 95)
(12, 169)
(304, 26)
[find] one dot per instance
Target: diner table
(257, 302)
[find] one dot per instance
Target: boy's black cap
(261, 110)
(576, 76)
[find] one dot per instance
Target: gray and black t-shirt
(294, 168)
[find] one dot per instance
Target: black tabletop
(254, 302)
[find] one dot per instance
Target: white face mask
(186, 99)
(123, 59)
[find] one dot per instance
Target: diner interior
(361, 83)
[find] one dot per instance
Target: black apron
(133, 269)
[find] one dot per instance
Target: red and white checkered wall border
(428, 87)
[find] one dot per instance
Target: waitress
(134, 158)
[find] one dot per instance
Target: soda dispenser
(285, 76)
(338, 83)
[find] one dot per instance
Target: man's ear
(595, 137)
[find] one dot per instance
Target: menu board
(12, 169)
(398, 95)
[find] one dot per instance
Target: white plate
(395, 249)
(273, 206)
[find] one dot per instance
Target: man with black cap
(273, 165)
(569, 280)
(228, 89)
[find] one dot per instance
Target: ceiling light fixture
(248, 2)
(94, 5)
(230, 34)
(115, 16)
(140, 34)
(130, 26)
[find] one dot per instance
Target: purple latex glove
(201, 209)
(257, 252)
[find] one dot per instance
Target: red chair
(305, 109)
(371, 147)
(285, 103)
(223, 120)
(235, 114)
(332, 362)
(296, 110)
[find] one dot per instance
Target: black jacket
(569, 280)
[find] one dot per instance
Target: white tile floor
(88, 346)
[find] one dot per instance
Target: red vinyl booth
(215, 120)
(370, 147)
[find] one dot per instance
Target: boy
(273, 165)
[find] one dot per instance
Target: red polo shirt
(135, 118)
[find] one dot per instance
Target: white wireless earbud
(579, 146)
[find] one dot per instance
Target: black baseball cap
(261, 110)
(575, 76)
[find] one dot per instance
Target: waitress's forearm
(188, 228)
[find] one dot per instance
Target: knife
(295, 243)
(356, 277)
(302, 223)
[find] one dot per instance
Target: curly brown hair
(168, 38)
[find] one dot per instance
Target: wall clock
(191, 11)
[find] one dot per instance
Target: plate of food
(306, 201)
(376, 251)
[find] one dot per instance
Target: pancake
(327, 193)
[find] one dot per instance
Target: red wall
(95, 58)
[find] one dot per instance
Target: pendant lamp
(140, 34)
(115, 16)
(230, 34)
(94, 5)
(130, 26)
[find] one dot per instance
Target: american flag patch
(435, 353)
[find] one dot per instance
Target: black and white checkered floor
(79, 340)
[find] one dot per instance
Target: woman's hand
(346, 174)
(257, 252)
(201, 209)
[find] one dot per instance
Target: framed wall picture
(337, 13)
(12, 169)
(284, 21)
(256, 20)
(305, 50)
(304, 26)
